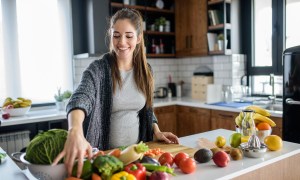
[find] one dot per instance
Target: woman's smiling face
(124, 39)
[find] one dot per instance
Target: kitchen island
(282, 164)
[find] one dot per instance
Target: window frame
(278, 38)
(10, 11)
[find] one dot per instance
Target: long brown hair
(142, 72)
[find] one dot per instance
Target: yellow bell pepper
(123, 175)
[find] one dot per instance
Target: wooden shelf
(160, 55)
(212, 2)
(159, 33)
(219, 27)
(159, 10)
(144, 8)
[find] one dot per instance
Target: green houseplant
(160, 23)
(221, 42)
(62, 98)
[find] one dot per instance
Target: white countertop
(41, 115)
(235, 168)
(209, 170)
(10, 171)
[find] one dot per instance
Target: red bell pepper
(136, 169)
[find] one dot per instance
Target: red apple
(5, 116)
(221, 159)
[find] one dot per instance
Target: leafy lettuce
(45, 146)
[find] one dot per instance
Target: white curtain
(35, 49)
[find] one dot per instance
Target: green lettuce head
(45, 146)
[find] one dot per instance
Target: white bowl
(46, 172)
(17, 111)
(262, 134)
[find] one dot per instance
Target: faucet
(272, 83)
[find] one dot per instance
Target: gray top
(127, 102)
(94, 96)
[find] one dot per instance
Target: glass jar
(228, 94)
(247, 126)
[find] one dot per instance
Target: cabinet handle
(191, 41)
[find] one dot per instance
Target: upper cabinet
(223, 27)
(159, 24)
(191, 28)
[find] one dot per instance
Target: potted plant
(62, 99)
(160, 23)
(221, 42)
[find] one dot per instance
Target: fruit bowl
(261, 134)
(16, 111)
(45, 171)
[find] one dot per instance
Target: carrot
(154, 152)
(95, 176)
(115, 152)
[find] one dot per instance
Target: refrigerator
(291, 95)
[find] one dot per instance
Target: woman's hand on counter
(167, 137)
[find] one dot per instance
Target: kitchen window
(269, 26)
(35, 49)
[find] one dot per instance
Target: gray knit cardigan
(94, 96)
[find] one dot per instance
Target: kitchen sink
(274, 107)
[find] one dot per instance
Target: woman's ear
(139, 39)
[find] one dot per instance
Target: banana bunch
(16, 103)
(260, 115)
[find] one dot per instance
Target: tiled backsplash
(227, 69)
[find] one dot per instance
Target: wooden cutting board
(205, 143)
(172, 148)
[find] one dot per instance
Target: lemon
(273, 142)
(244, 139)
(220, 141)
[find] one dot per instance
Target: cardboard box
(202, 80)
(199, 87)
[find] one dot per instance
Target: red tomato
(180, 156)
(187, 165)
(166, 158)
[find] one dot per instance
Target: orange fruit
(273, 142)
(263, 126)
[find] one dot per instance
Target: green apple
(235, 140)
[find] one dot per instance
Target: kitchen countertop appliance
(291, 94)
(161, 92)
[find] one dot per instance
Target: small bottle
(153, 46)
(157, 49)
(161, 46)
(178, 90)
(169, 93)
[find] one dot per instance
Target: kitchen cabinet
(277, 130)
(223, 18)
(223, 119)
(155, 39)
(167, 120)
(191, 28)
(191, 120)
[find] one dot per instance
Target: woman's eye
(116, 36)
(129, 37)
